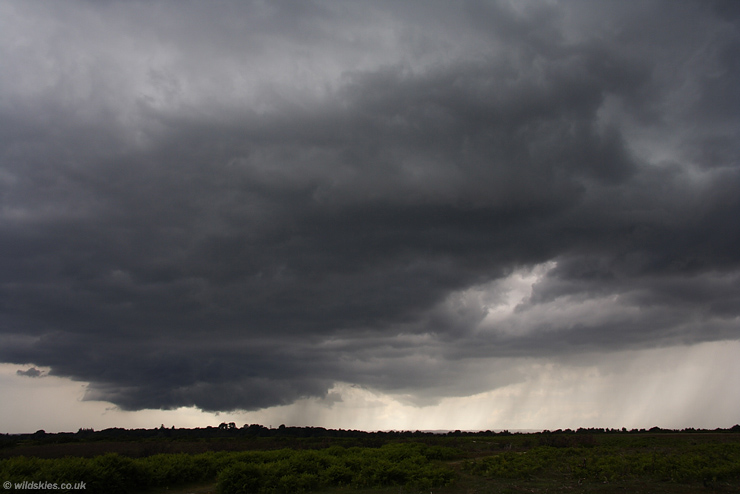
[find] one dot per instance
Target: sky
(482, 214)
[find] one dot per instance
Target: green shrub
(273, 472)
(304, 471)
(709, 462)
(242, 478)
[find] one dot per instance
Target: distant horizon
(605, 430)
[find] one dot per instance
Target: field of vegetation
(282, 471)
(296, 461)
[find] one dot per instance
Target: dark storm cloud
(31, 372)
(237, 206)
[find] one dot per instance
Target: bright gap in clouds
(676, 387)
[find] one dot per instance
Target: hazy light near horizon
(676, 387)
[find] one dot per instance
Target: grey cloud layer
(236, 206)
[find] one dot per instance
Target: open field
(383, 463)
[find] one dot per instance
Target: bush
(710, 462)
(400, 464)
(274, 472)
